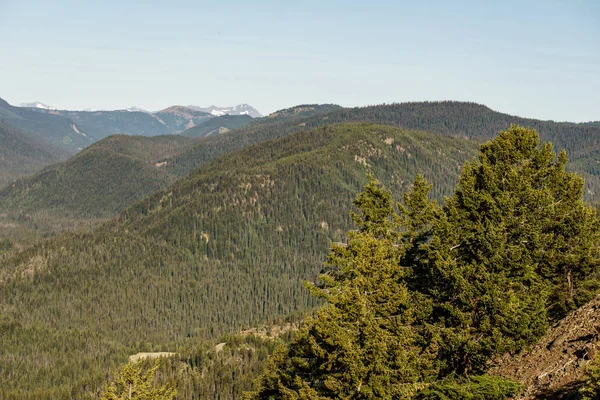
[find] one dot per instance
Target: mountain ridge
(56, 130)
(466, 120)
(105, 177)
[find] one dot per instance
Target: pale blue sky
(537, 59)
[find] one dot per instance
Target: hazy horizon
(536, 60)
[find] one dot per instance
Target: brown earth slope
(553, 368)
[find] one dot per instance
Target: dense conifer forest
(224, 249)
(420, 300)
(99, 181)
(215, 235)
(324, 200)
(65, 188)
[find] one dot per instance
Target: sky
(538, 59)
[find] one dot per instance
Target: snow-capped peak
(136, 109)
(240, 109)
(37, 104)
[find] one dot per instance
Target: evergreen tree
(514, 240)
(361, 345)
(419, 302)
(132, 383)
(590, 390)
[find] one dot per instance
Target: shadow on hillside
(569, 392)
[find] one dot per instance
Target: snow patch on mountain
(240, 109)
(137, 109)
(37, 104)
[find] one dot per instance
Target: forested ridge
(224, 249)
(22, 154)
(59, 193)
(55, 130)
(126, 169)
(99, 181)
(448, 118)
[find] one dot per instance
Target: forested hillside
(78, 190)
(453, 119)
(421, 300)
(99, 181)
(475, 121)
(58, 131)
(22, 154)
(225, 248)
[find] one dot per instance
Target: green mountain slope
(225, 248)
(453, 119)
(218, 125)
(449, 118)
(22, 154)
(54, 129)
(101, 124)
(475, 121)
(100, 180)
(96, 182)
(276, 125)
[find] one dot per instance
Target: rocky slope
(553, 368)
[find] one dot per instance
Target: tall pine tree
(362, 344)
(417, 303)
(515, 241)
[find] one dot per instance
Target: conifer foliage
(133, 383)
(418, 302)
(515, 247)
(361, 345)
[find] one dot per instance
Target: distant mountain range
(240, 109)
(60, 185)
(36, 134)
(73, 130)
(48, 126)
